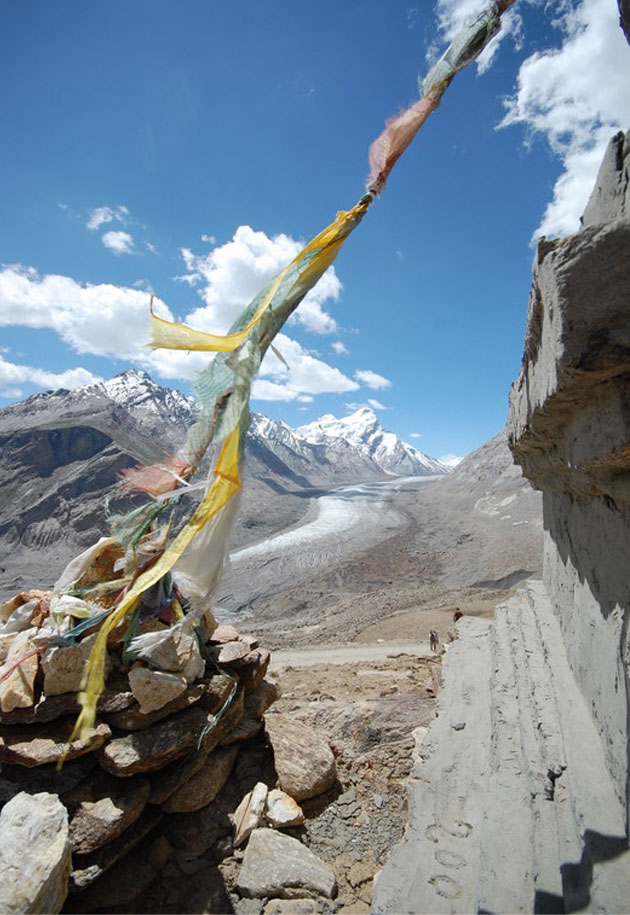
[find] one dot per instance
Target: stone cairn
(166, 737)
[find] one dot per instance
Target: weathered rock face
(304, 762)
(511, 806)
(277, 865)
(569, 427)
(624, 17)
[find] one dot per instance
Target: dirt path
(349, 654)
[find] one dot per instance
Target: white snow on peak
(363, 431)
(136, 388)
(353, 428)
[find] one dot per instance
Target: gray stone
(610, 198)
(50, 744)
(216, 692)
(126, 880)
(262, 697)
(249, 813)
(569, 427)
(291, 907)
(34, 854)
(102, 809)
(8, 607)
(224, 633)
(155, 746)
(169, 740)
(49, 778)
(45, 709)
(89, 868)
(277, 865)
(303, 760)
(169, 780)
(204, 785)
(245, 730)
(20, 619)
(175, 776)
(175, 649)
(17, 689)
(153, 689)
(483, 833)
(253, 667)
(227, 653)
(132, 719)
(63, 667)
(282, 811)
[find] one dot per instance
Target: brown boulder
(204, 786)
(102, 809)
(304, 762)
(49, 745)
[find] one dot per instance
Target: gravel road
(349, 654)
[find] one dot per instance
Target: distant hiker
(452, 634)
(434, 640)
(457, 615)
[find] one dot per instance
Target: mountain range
(61, 453)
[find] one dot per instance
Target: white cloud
(575, 97)
(118, 241)
(305, 374)
(372, 380)
(339, 348)
(11, 393)
(229, 276)
(104, 320)
(412, 13)
(451, 460)
(270, 390)
(113, 321)
(415, 435)
(151, 247)
(11, 373)
(102, 215)
(210, 239)
(376, 404)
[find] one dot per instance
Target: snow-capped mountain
(138, 392)
(362, 432)
(61, 454)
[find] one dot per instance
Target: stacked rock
(168, 729)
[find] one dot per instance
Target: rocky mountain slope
(61, 454)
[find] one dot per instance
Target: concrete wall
(569, 428)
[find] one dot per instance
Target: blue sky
(189, 148)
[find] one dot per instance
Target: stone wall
(569, 429)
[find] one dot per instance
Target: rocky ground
(367, 711)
